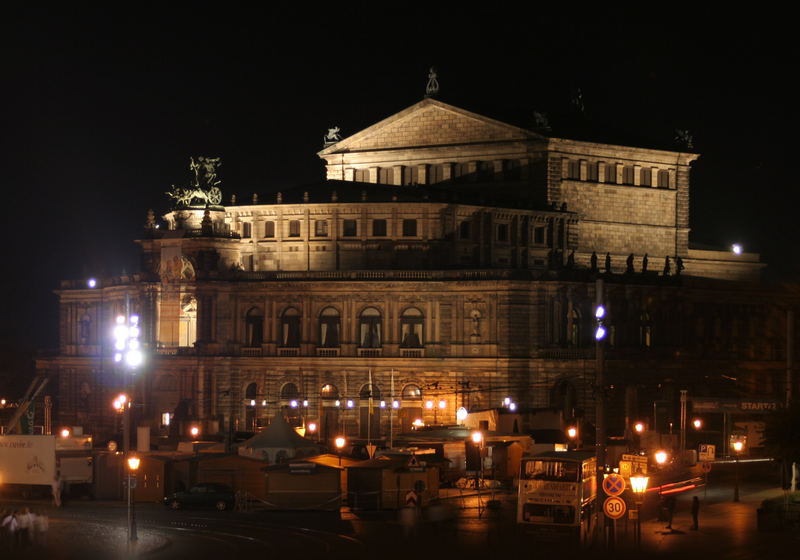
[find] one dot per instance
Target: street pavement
(462, 526)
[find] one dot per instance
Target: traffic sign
(706, 466)
(614, 507)
(613, 485)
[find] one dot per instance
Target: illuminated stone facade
(448, 259)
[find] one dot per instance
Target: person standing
(26, 527)
(695, 513)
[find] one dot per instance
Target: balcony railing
(288, 351)
(328, 352)
(412, 352)
(252, 351)
(370, 352)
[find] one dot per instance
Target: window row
(484, 170)
(370, 333)
(321, 228)
(601, 172)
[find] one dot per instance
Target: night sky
(101, 111)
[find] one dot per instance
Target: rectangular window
(362, 175)
(627, 175)
(294, 228)
(591, 169)
(538, 235)
(349, 228)
(269, 229)
(409, 228)
(165, 418)
(321, 228)
(379, 228)
(663, 179)
(464, 230)
(435, 174)
(247, 230)
(386, 176)
(502, 232)
(645, 177)
(611, 173)
(574, 169)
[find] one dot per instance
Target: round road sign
(614, 507)
(706, 466)
(613, 484)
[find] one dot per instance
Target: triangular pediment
(429, 123)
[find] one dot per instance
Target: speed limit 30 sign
(614, 507)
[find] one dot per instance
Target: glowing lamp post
(737, 446)
(661, 457)
(133, 466)
(639, 486)
(194, 431)
(340, 443)
(572, 434)
(461, 415)
(697, 423)
(65, 433)
(638, 427)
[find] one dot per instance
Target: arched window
(645, 330)
(290, 327)
(370, 328)
(329, 392)
(329, 322)
(251, 392)
(368, 391)
(254, 327)
(188, 322)
(411, 331)
(289, 392)
(412, 393)
(85, 329)
(574, 332)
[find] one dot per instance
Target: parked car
(205, 494)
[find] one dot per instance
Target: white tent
(278, 443)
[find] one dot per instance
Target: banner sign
(27, 459)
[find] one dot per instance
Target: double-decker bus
(557, 495)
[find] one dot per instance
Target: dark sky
(101, 111)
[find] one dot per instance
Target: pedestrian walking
(26, 521)
(695, 513)
(55, 487)
(42, 526)
(671, 502)
(11, 526)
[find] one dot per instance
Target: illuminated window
(294, 228)
(411, 393)
(165, 417)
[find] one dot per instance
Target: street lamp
(737, 446)
(340, 442)
(133, 465)
(639, 486)
(195, 431)
(461, 415)
(661, 457)
(697, 423)
(638, 427)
